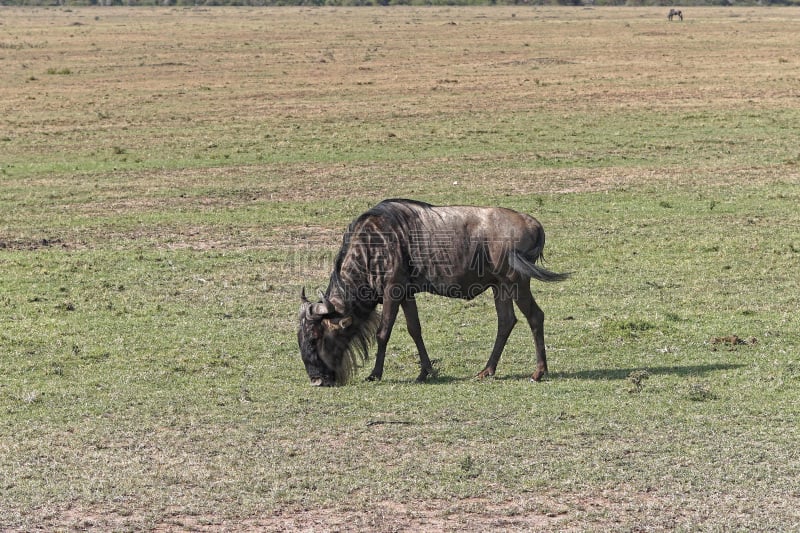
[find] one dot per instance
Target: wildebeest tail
(528, 267)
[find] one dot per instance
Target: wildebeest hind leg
(415, 330)
(535, 317)
(505, 323)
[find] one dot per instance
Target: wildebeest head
(324, 337)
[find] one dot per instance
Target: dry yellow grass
(162, 84)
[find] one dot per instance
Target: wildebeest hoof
(538, 375)
(317, 382)
(485, 373)
(373, 377)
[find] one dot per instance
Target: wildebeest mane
(396, 217)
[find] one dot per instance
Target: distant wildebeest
(402, 247)
(675, 13)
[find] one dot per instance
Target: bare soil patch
(527, 512)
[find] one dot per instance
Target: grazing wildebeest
(402, 247)
(675, 13)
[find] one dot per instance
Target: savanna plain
(171, 177)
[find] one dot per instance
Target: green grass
(176, 375)
(537, 138)
(151, 277)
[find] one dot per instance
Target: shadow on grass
(623, 373)
(597, 374)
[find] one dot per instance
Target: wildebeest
(675, 13)
(402, 247)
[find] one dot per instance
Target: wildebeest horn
(321, 308)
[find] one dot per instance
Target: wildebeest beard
(333, 343)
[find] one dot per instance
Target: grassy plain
(170, 178)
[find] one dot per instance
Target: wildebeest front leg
(415, 330)
(505, 323)
(535, 317)
(388, 316)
